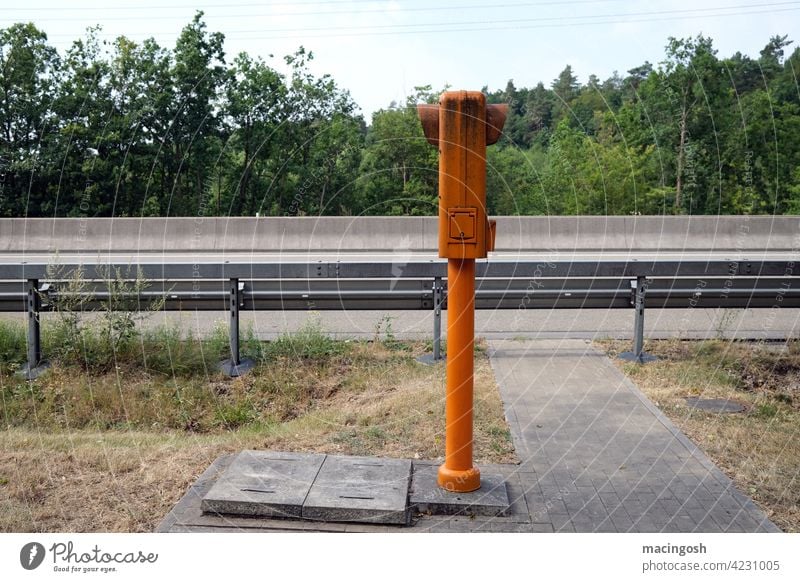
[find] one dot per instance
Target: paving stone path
(597, 455)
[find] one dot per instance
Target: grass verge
(89, 448)
(759, 448)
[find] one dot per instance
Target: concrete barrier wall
(642, 233)
(529, 233)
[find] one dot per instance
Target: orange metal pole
(461, 126)
(458, 473)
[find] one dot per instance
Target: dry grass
(760, 448)
(400, 414)
(118, 460)
(100, 481)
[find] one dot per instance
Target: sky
(381, 49)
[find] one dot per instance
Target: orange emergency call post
(461, 126)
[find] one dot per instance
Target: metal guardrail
(510, 269)
(602, 284)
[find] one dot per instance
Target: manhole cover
(714, 404)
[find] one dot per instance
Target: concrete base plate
(360, 489)
(264, 483)
(642, 358)
(722, 405)
(427, 497)
(428, 360)
(32, 373)
(228, 368)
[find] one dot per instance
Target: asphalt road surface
(399, 256)
(754, 324)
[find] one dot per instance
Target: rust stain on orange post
(462, 125)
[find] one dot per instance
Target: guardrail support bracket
(438, 303)
(235, 366)
(638, 354)
(35, 365)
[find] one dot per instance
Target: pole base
(429, 360)
(459, 481)
(232, 370)
(31, 373)
(642, 358)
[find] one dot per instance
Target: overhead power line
(688, 11)
(314, 3)
(509, 24)
(457, 8)
(517, 26)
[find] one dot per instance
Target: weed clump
(310, 342)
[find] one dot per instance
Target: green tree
(85, 110)
(513, 183)
(399, 174)
(691, 73)
(565, 88)
(194, 142)
(540, 114)
(256, 103)
(142, 93)
(319, 112)
(29, 73)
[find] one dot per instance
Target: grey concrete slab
(577, 416)
(427, 497)
(722, 405)
(360, 489)
(187, 515)
(264, 483)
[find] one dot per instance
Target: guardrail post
(438, 299)
(235, 366)
(638, 354)
(35, 365)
